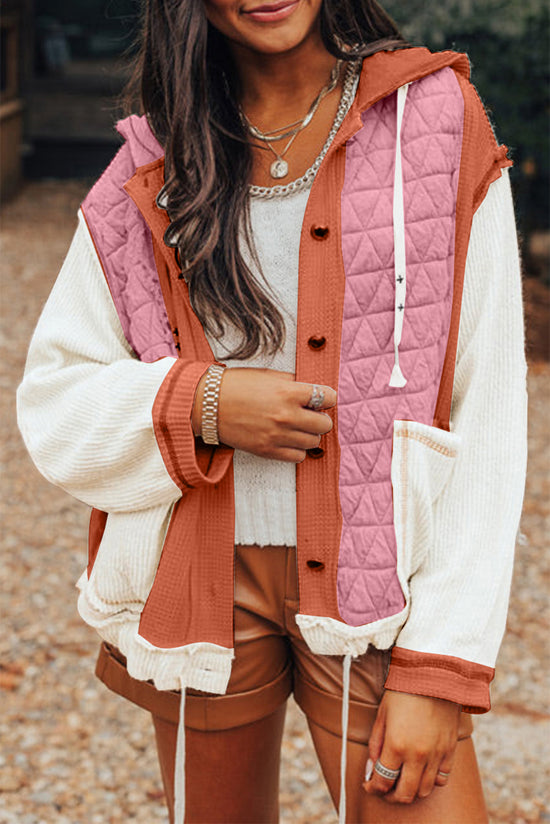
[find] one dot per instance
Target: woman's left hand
(417, 734)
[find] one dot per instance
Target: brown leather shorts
(271, 661)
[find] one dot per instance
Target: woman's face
(266, 26)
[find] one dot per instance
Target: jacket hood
(139, 137)
(385, 72)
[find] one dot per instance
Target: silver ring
(445, 775)
(317, 398)
(385, 772)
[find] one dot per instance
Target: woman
(284, 362)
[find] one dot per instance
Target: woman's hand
(418, 734)
(263, 411)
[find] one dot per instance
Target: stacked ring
(317, 398)
(386, 772)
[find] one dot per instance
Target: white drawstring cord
(346, 666)
(397, 378)
(179, 769)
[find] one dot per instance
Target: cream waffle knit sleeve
(459, 595)
(85, 403)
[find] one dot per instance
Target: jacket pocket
(423, 457)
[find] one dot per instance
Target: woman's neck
(278, 89)
(282, 85)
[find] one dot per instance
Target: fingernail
(369, 769)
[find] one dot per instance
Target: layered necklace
(348, 92)
(279, 167)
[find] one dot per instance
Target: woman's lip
(272, 12)
(271, 6)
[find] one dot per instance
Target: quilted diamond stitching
(126, 251)
(368, 588)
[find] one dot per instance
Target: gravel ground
(72, 752)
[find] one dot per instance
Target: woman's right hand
(263, 411)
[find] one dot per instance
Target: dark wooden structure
(15, 51)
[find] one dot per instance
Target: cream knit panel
(84, 405)
(459, 595)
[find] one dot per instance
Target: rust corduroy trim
(96, 528)
(320, 293)
(441, 676)
(481, 163)
(189, 461)
(191, 599)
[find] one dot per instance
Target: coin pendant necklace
(279, 167)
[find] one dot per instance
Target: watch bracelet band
(209, 417)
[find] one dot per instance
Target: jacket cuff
(441, 676)
(189, 461)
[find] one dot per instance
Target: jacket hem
(327, 636)
(201, 666)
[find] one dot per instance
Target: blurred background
(64, 66)
(71, 752)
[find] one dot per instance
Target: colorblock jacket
(384, 246)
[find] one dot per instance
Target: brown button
(317, 341)
(316, 452)
(317, 565)
(319, 232)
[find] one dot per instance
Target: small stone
(11, 779)
(156, 794)
(9, 681)
(44, 797)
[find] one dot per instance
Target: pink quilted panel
(368, 587)
(124, 245)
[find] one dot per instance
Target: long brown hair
(189, 91)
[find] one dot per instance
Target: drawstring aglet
(397, 377)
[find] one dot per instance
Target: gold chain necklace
(279, 167)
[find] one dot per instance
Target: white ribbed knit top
(265, 490)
